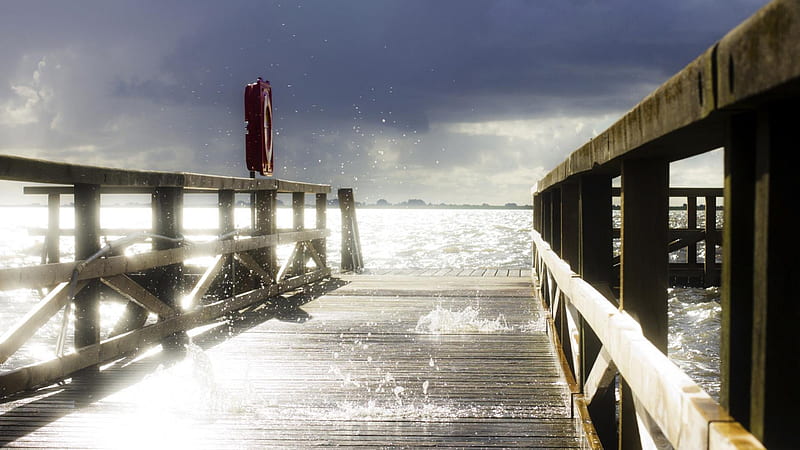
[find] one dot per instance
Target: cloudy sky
(456, 101)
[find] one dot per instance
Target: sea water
(391, 238)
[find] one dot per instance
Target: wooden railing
(740, 95)
(244, 269)
(669, 405)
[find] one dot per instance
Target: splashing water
(442, 320)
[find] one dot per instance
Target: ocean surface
(391, 238)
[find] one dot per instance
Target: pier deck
(351, 367)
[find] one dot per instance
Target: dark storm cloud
(377, 94)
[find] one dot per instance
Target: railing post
(691, 224)
(570, 241)
(351, 243)
(555, 220)
(87, 243)
(644, 276)
(596, 259)
(774, 396)
(737, 268)
(52, 241)
(298, 221)
(547, 224)
(710, 263)
(322, 222)
(266, 224)
(226, 204)
(167, 207)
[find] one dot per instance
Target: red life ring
(258, 116)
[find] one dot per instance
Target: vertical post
(570, 233)
(737, 267)
(167, 204)
(570, 243)
(547, 224)
(298, 214)
(596, 260)
(266, 224)
(351, 243)
(691, 224)
(644, 263)
(52, 242)
(555, 220)
(776, 311)
(322, 222)
(87, 243)
(226, 204)
(710, 263)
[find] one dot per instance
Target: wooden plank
(775, 310)
(139, 295)
(600, 377)
(15, 168)
(736, 296)
(204, 283)
(52, 274)
(86, 303)
(17, 335)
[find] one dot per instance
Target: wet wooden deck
(374, 362)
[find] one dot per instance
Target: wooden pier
(347, 362)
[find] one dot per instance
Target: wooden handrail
(15, 168)
(685, 414)
(53, 274)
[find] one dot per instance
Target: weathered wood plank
(137, 294)
(17, 168)
(52, 274)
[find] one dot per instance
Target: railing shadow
(55, 402)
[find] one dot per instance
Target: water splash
(467, 320)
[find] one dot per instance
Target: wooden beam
(709, 265)
(52, 274)
(691, 224)
(266, 224)
(311, 251)
(298, 222)
(775, 307)
(736, 299)
(139, 295)
(570, 224)
(595, 266)
(322, 222)
(27, 326)
(226, 205)
(52, 240)
(602, 374)
(644, 269)
(204, 283)
(351, 242)
(287, 265)
(15, 168)
(87, 243)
